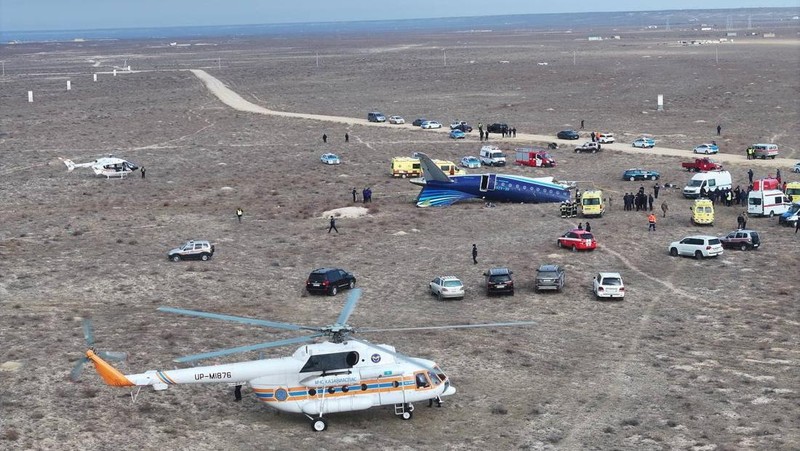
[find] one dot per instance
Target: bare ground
(700, 355)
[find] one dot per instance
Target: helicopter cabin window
(434, 378)
(422, 381)
(327, 362)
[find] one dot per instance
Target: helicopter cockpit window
(434, 378)
(422, 381)
(439, 374)
(328, 362)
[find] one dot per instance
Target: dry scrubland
(700, 355)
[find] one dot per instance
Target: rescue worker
(739, 222)
(563, 209)
(574, 209)
(651, 221)
(333, 225)
(474, 254)
(588, 227)
(239, 213)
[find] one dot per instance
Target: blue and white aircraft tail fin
(430, 170)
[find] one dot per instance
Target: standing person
(324, 138)
(664, 208)
(369, 195)
(563, 209)
(474, 254)
(744, 219)
(581, 124)
(739, 221)
(346, 137)
(580, 226)
(719, 130)
(588, 227)
(480, 133)
(574, 209)
(143, 170)
(486, 134)
(796, 227)
(514, 131)
(333, 225)
(237, 392)
(656, 187)
(594, 137)
(364, 195)
(778, 175)
(651, 221)
(355, 194)
(239, 213)
(650, 201)
(750, 175)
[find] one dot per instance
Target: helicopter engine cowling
(329, 380)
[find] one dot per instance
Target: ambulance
(702, 212)
(410, 167)
(592, 203)
(793, 191)
(768, 202)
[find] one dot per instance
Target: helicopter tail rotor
(88, 337)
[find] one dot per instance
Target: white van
(768, 202)
(765, 151)
(492, 156)
(710, 180)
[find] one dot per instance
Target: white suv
(608, 285)
(698, 246)
(447, 287)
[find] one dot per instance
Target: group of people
(484, 135)
(346, 137)
(569, 209)
(640, 200)
(366, 195)
(726, 196)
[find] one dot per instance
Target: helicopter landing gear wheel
(319, 424)
(407, 415)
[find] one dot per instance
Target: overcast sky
(17, 15)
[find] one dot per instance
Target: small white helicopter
(109, 166)
(340, 375)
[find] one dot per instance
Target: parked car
(396, 120)
(471, 162)
(647, 143)
(549, 277)
(697, 246)
(446, 287)
(497, 128)
(605, 138)
(192, 250)
(457, 134)
(329, 158)
(791, 216)
(461, 125)
(588, 146)
(376, 117)
(741, 239)
(577, 239)
(701, 165)
(707, 148)
(608, 285)
(329, 281)
(796, 167)
(568, 134)
(430, 124)
(640, 174)
(417, 122)
(499, 281)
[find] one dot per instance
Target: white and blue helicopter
(340, 375)
(109, 166)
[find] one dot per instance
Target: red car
(578, 239)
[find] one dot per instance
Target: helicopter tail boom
(109, 374)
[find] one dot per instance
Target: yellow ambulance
(592, 203)
(409, 167)
(793, 191)
(702, 212)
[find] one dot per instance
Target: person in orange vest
(651, 220)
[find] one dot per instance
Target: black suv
(497, 128)
(498, 281)
(329, 281)
(549, 277)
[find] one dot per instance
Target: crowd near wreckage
(340, 375)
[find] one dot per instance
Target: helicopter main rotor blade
(271, 344)
(88, 335)
(396, 354)
(113, 356)
(453, 326)
(237, 319)
(349, 306)
(75, 374)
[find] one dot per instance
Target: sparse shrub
(499, 409)
(630, 422)
(89, 392)
(671, 423)
(133, 242)
(119, 240)
(554, 437)
(11, 435)
(608, 430)
(77, 232)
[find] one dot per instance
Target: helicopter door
(487, 182)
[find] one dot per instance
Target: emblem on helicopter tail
(376, 358)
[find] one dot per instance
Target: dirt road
(235, 101)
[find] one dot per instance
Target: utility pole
(444, 57)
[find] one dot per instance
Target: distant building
(616, 36)
(731, 34)
(595, 38)
(769, 35)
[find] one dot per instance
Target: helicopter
(342, 374)
(109, 166)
